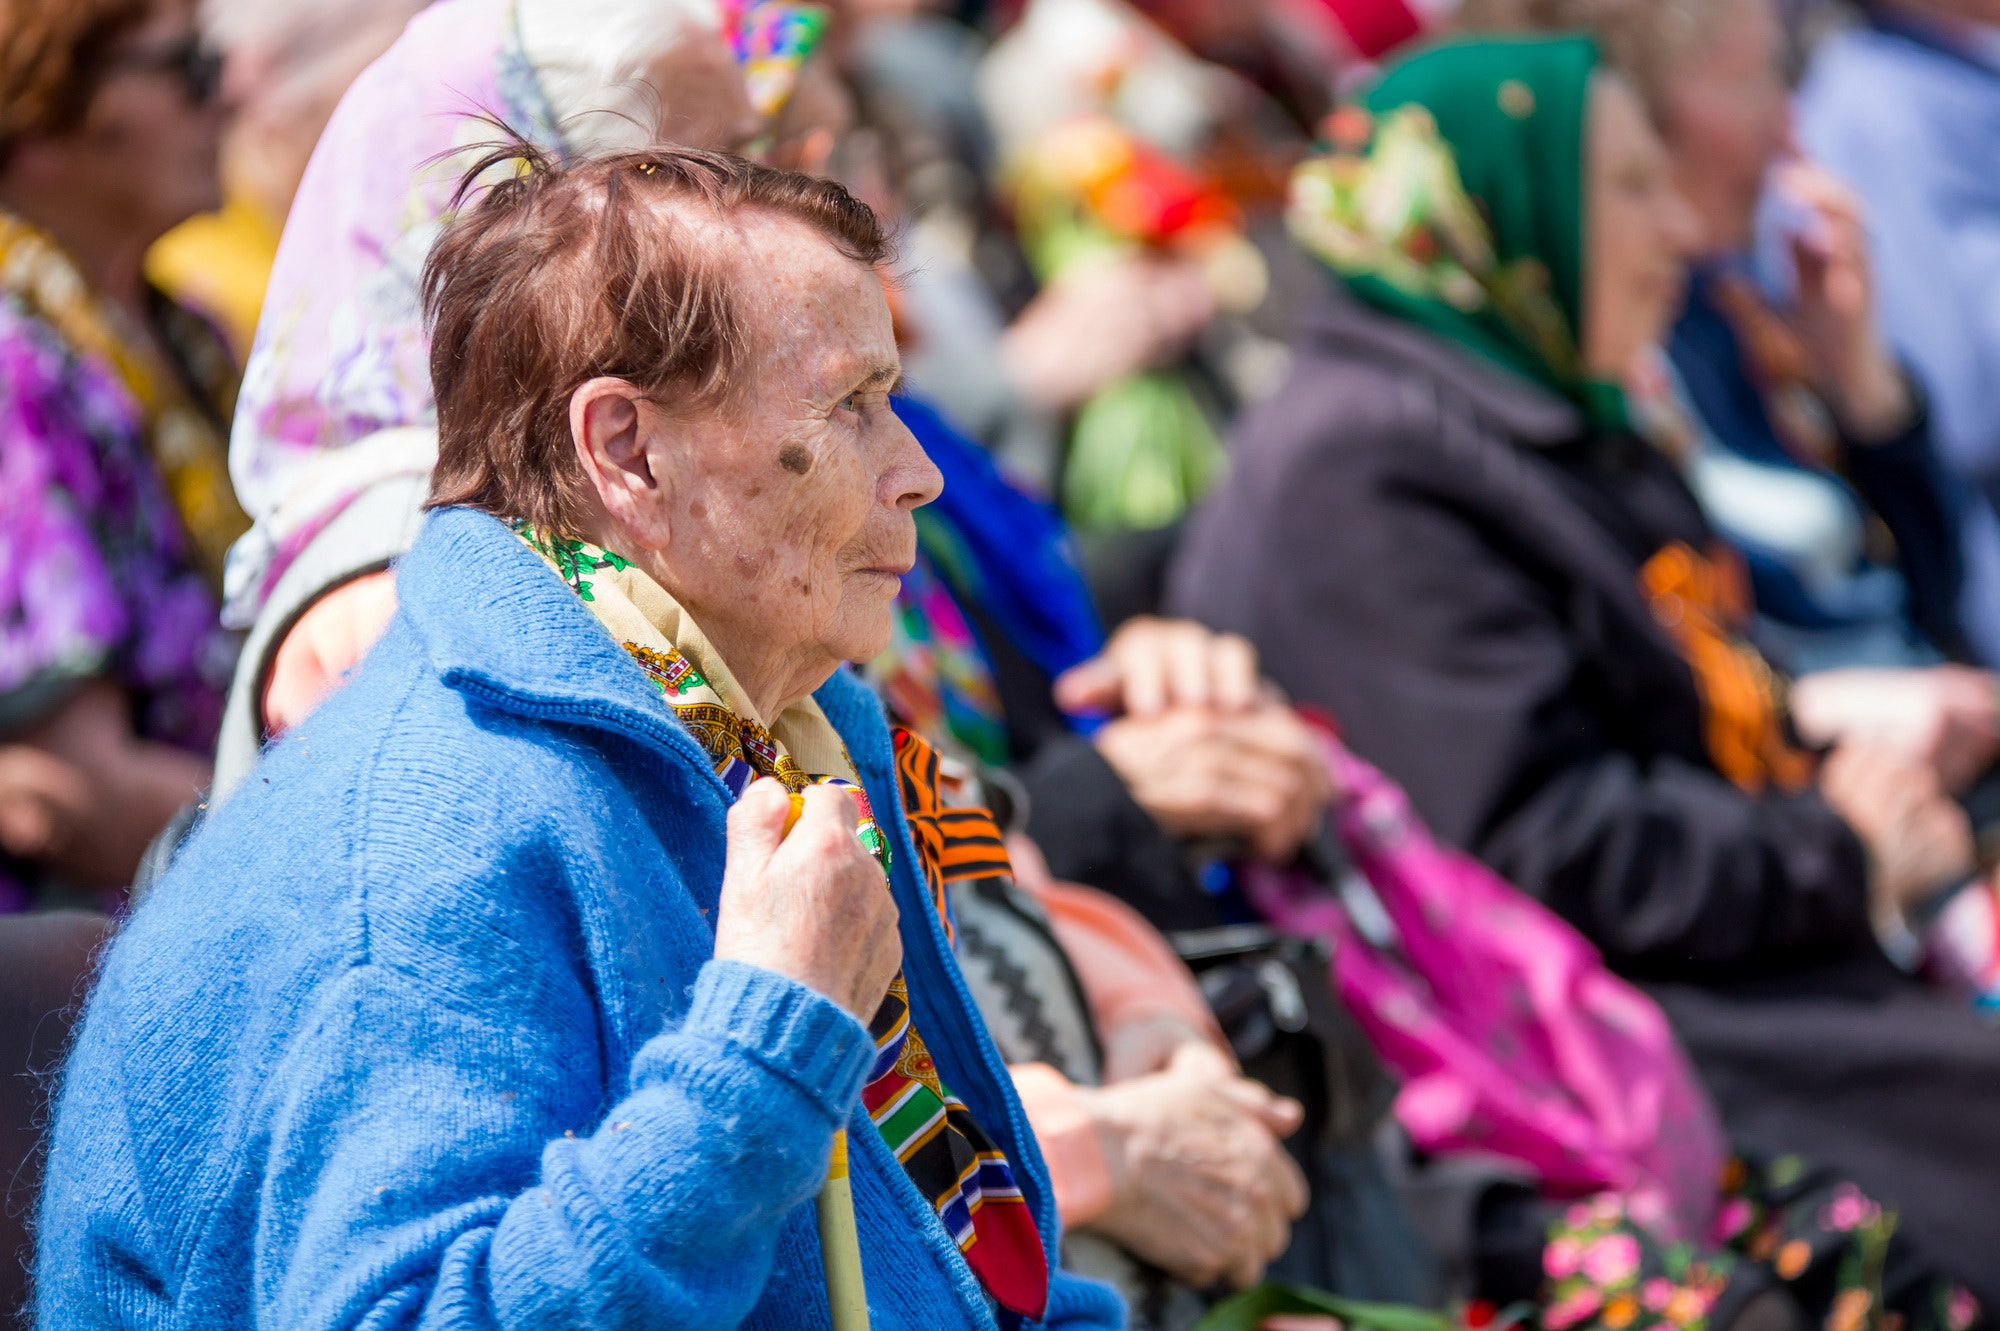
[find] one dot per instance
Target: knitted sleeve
(451, 1164)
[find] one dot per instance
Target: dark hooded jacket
(1445, 556)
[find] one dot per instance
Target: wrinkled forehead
(805, 309)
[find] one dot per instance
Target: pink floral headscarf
(336, 397)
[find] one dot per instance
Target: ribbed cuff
(793, 1031)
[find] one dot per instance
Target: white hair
(592, 56)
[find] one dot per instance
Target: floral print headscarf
(1453, 197)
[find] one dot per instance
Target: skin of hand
(1152, 664)
(1139, 1048)
(1201, 1186)
(1836, 307)
(320, 650)
(1918, 839)
(810, 904)
(1944, 717)
(1104, 321)
(82, 795)
(43, 801)
(1257, 775)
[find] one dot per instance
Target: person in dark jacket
(1808, 444)
(1442, 530)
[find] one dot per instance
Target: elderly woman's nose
(912, 480)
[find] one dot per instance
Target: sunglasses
(198, 66)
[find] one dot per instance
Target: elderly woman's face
(786, 519)
(1638, 232)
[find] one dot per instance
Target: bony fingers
(1245, 1272)
(1236, 684)
(1190, 663)
(756, 822)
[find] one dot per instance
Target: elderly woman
(335, 436)
(1442, 530)
(356, 448)
(587, 951)
(1773, 410)
(115, 506)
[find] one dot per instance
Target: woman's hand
(1919, 840)
(43, 801)
(81, 795)
(1201, 1186)
(1093, 327)
(1152, 664)
(1257, 775)
(1856, 374)
(810, 904)
(1944, 717)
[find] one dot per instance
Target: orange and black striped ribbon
(954, 843)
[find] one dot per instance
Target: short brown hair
(51, 55)
(596, 266)
(1641, 39)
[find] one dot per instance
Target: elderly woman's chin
(868, 614)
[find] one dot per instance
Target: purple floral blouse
(96, 575)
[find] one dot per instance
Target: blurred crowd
(1468, 579)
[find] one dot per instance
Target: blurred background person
(285, 66)
(1442, 530)
(332, 441)
(115, 508)
(1904, 108)
(1799, 431)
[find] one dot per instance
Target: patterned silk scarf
(949, 1157)
(186, 444)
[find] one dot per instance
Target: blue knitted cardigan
(423, 1030)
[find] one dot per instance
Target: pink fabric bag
(1510, 1036)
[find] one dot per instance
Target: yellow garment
(186, 442)
(219, 263)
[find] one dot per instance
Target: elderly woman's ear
(616, 436)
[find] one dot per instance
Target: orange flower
(1849, 1310)
(1618, 1313)
(1793, 1259)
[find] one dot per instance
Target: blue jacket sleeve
(438, 1162)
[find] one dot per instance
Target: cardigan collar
(1517, 408)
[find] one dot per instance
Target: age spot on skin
(795, 459)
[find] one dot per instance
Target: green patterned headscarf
(1454, 198)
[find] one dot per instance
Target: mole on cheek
(794, 458)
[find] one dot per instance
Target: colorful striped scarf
(951, 1159)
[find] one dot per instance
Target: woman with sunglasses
(115, 503)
